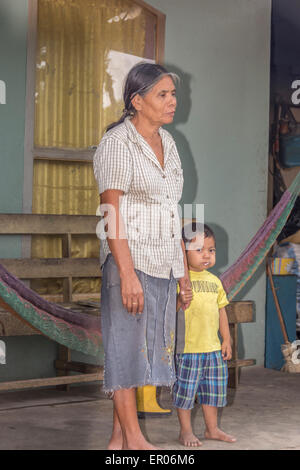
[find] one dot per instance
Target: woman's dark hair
(140, 79)
(192, 229)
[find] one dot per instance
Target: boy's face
(201, 253)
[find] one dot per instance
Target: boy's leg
(186, 436)
(211, 421)
(213, 395)
(184, 391)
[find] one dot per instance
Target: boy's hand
(226, 350)
(185, 293)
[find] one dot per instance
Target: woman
(140, 181)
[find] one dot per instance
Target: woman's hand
(132, 293)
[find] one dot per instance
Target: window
(81, 50)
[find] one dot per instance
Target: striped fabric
(201, 375)
(149, 207)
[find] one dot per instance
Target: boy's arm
(225, 333)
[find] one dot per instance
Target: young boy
(201, 365)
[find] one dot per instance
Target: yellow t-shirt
(198, 326)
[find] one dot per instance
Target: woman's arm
(131, 288)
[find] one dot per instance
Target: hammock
(236, 276)
(77, 331)
(81, 332)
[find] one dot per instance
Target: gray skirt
(139, 350)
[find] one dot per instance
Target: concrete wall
(221, 49)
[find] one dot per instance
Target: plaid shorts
(201, 375)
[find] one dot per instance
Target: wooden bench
(65, 268)
(238, 312)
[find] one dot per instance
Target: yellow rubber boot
(147, 405)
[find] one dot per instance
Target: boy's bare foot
(219, 436)
(188, 439)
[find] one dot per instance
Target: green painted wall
(26, 357)
(13, 31)
(221, 49)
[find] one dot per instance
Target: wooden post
(233, 371)
(64, 354)
(66, 253)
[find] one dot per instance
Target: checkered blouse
(149, 207)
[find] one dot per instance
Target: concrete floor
(263, 413)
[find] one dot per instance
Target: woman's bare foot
(116, 441)
(140, 444)
(188, 439)
(219, 435)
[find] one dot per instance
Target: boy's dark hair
(192, 229)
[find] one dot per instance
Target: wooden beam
(81, 155)
(50, 382)
(64, 355)
(77, 367)
(160, 39)
(241, 363)
(67, 253)
(58, 298)
(240, 311)
(46, 268)
(44, 224)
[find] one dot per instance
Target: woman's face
(159, 104)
